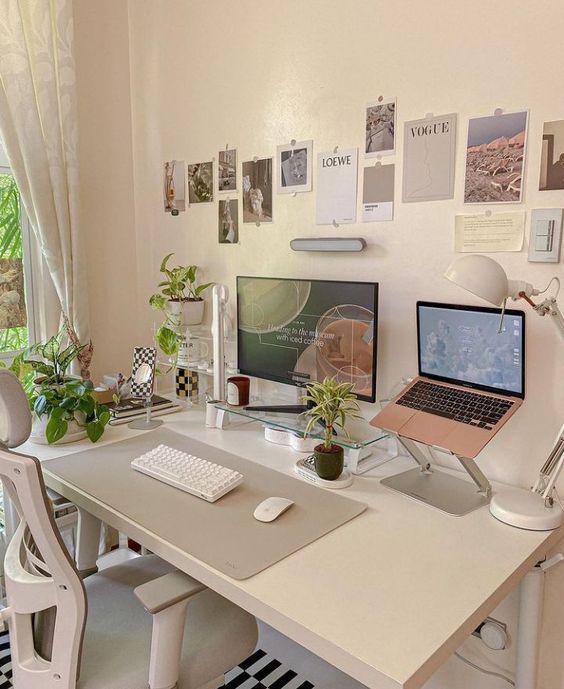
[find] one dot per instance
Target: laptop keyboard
(467, 407)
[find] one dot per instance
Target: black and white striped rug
(262, 671)
(259, 671)
(5, 661)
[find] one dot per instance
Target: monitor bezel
(466, 384)
(286, 381)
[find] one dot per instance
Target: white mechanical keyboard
(192, 474)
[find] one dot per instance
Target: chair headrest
(15, 415)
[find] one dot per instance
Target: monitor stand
(439, 489)
(279, 408)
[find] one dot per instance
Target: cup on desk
(238, 390)
(211, 413)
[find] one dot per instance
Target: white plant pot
(181, 313)
(73, 434)
(193, 312)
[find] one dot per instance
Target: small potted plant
(180, 296)
(180, 299)
(63, 406)
(333, 403)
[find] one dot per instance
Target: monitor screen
(461, 344)
(296, 331)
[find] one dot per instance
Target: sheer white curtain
(38, 125)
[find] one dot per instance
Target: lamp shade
(480, 275)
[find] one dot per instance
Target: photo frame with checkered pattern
(143, 355)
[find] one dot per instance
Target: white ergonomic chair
(189, 639)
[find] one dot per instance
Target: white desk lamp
(534, 509)
(220, 297)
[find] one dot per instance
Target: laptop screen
(461, 345)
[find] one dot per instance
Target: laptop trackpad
(428, 428)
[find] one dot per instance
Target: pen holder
(187, 384)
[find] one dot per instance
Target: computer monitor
(299, 331)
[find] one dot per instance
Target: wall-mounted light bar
(328, 244)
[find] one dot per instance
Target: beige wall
(256, 74)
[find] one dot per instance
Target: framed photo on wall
(380, 128)
(552, 156)
(227, 170)
(294, 167)
(495, 158)
(257, 190)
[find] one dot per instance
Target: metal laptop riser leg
(439, 489)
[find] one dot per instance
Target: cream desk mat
(224, 534)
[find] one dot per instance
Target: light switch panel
(545, 235)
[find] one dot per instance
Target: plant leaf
(164, 262)
(56, 429)
(95, 430)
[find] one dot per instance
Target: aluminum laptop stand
(439, 489)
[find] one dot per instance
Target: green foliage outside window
(11, 247)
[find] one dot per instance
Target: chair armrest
(161, 593)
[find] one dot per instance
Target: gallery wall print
(200, 182)
(378, 193)
(257, 190)
(12, 298)
(552, 156)
(429, 152)
(380, 125)
(227, 170)
(228, 221)
(295, 164)
(337, 173)
(174, 186)
(495, 158)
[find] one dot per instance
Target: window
(16, 321)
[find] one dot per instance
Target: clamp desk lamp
(536, 509)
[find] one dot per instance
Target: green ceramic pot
(329, 463)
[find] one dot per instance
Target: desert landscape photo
(494, 158)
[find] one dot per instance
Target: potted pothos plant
(64, 407)
(180, 299)
(332, 403)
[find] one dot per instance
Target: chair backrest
(41, 580)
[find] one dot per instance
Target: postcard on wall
(228, 221)
(429, 150)
(488, 233)
(174, 186)
(257, 191)
(378, 193)
(12, 296)
(336, 186)
(227, 170)
(495, 158)
(380, 124)
(200, 183)
(552, 156)
(294, 167)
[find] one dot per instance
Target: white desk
(386, 598)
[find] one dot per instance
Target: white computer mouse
(271, 508)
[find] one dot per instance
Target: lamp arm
(549, 307)
(551, 468)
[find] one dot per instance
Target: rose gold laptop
(471, 378)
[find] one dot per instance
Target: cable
(554, 279)
(481, 669)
